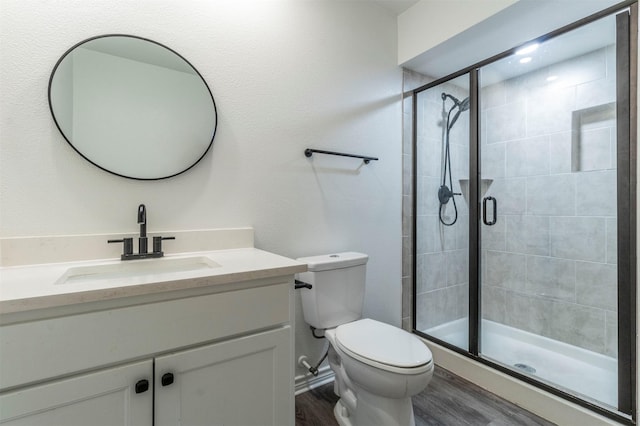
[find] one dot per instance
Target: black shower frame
(627, 120)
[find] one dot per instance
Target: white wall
(285, 75)
(431, 22)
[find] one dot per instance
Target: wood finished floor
(448, 400)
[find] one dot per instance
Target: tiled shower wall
(442, 252)
(410, 81)
(549, 263)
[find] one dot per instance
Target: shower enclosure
(524, 213)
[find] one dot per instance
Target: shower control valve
(445, 194)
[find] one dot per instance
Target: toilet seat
(384, 346)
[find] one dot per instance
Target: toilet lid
(382, 343)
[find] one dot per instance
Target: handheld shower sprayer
(462, 107)
(445, 193)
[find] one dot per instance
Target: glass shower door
(548, 218)
(441, 212)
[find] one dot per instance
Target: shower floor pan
(568, 367)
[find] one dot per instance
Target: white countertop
(25, 288)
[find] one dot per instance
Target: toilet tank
(337, 292)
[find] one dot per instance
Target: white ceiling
(524, 21)
(580, 41)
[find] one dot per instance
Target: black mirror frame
(215, 109)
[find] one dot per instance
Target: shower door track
(626, 101)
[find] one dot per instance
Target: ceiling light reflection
(527, 49)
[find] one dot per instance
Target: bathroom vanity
(207, 339)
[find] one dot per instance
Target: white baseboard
(304, 383)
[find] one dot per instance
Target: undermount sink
(135, 268)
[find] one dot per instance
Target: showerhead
(453, 98)
(464, 105)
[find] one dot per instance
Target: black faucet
(143, 246)
(142, 221)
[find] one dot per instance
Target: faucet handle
(128, 245)
(157, 243)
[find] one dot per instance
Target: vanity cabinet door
(245, 381)
(103, 398)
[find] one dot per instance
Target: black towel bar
(309, 152)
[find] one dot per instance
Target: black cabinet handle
(142, 386)
(167, 379)
(484, 211)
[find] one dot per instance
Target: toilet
(378, 367)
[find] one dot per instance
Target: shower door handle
(484, 211)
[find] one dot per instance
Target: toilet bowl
(377, 367)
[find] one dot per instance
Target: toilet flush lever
(302, 284)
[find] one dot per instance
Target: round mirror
(132, 107)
